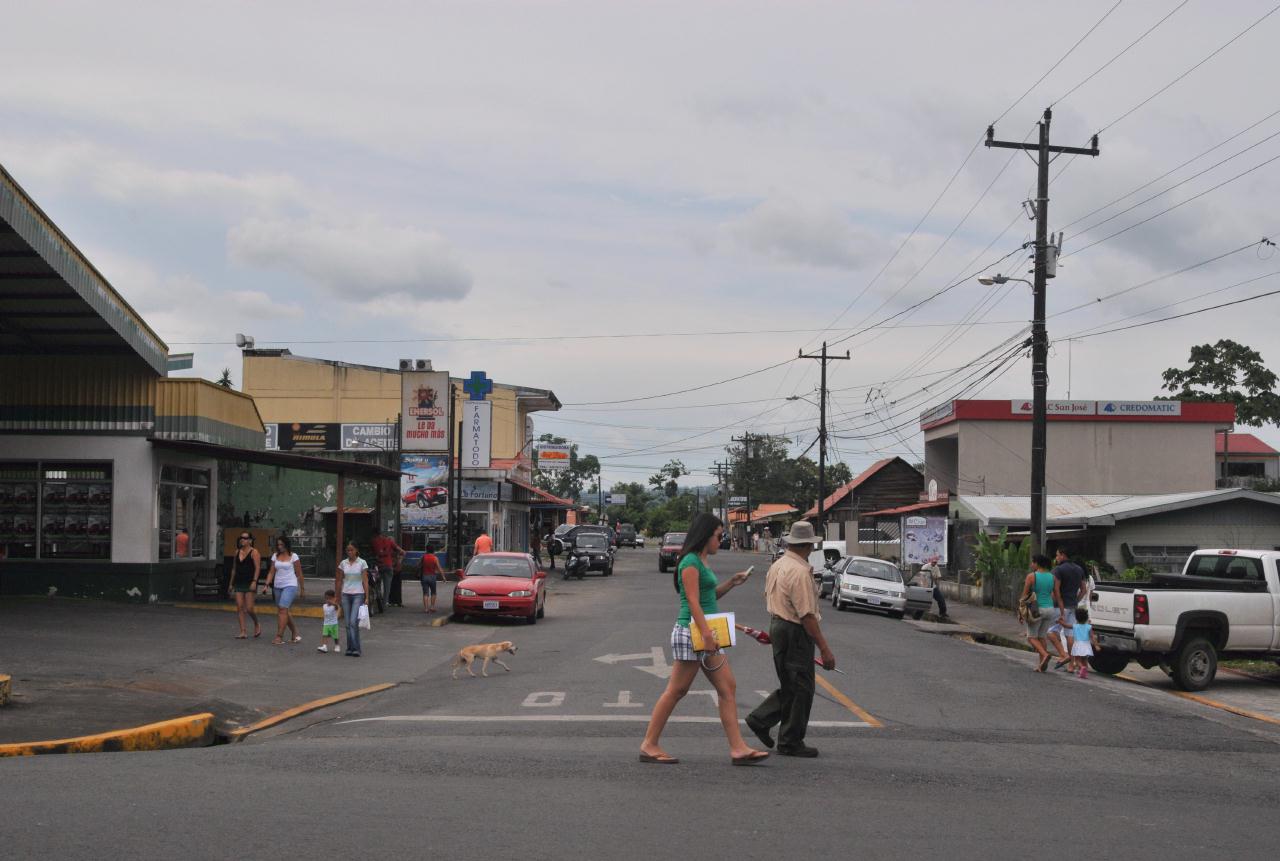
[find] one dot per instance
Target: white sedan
(869, 584)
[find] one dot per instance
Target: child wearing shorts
(330, 629)
(1083, 642)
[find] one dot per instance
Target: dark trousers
(395, 594)
(791, 703)
(941, 599)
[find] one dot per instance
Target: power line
(684, 391)
(1179, 316)
(1123, 51)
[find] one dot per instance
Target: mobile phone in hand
(749, 570)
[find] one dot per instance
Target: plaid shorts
(682, 646)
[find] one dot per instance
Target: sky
(724, 184)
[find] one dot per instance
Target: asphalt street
(930, 745)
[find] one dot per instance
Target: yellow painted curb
(190, 731)
(441, 622)
(6, 688)
(288, 714)
(847, 703)
(265, 609)
(1205, 701)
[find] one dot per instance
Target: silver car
(869, 584)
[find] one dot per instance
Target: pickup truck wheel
(1109, 663)
(1195, 665)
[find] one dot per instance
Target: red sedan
(501, 584)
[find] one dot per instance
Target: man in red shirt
(428, 575)
(388, 554)
(484, 544)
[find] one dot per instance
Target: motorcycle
(576, 565)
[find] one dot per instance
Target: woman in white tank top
(286, 578)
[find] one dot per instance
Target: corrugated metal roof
(1098, 509)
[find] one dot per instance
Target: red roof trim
(1193, 412)
(907, 509)
(1244, 443)
(844, 491)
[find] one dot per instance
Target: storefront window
(183, 506)
(55, 510)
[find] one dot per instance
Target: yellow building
(319, 405)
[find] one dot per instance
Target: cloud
(808, 234)
(358, 260)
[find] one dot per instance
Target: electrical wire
(1180, 316)
(683, 391)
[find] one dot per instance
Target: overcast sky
(377, 171)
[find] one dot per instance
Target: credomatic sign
(1139, 408)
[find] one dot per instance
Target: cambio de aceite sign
(424, 411)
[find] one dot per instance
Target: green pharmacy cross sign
(478, 385)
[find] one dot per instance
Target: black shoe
(802, 751)
(761, 732)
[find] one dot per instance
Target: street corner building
(108, 467)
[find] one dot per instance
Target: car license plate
(873, 600)
(491, 605)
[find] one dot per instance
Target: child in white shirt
(330, 630)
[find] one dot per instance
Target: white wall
(135, 473)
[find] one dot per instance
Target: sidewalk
(83, 667)
(1232, 691)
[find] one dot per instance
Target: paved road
(975, 757)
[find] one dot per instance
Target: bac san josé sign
(1101, 408)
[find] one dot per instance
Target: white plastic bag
(362, 617)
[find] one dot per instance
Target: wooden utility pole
(1039, 335)
(820, 526)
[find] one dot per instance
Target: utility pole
(1039, 336)
(747, 439)
(721, 470)
(822, 357)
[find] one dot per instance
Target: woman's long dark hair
(701, 530)
(288, 546)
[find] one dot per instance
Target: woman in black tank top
(244, 582)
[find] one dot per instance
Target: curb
(1204, 701)
(6, 688)
(190, 731)
(240, 733)
(441, 622)
(297, 612)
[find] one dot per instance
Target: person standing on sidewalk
(484, 544)
(927, 577)
(352, 582)
(388, 554)
(549, 540)
(429, 572)
(792, 601)
(286, 579)
(535, 549)
(1070, 577)
(244, 583)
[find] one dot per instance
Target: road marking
(1204, 701)
(715, 698)
(623, 702)
(544, 700)
(613, 718)
(847, 703)
(656, 657)
(764, 695)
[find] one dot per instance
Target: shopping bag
(362, 618)
(721, 625)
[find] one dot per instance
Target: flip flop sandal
(297, 639)
(241, 637)
(277, 642)
(660, 759)
(257, 635)
(755, 758)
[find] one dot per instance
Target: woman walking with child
(1040, 608)
(352, 582)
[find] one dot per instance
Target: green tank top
(1044, 589)
(706, 588)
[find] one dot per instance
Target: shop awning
(540, 498)
(346, 468)
(350, 509)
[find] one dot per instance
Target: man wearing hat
(791, 598)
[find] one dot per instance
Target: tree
(1230, 372)
(225, 379)
(665, 478)
(567, 483)
(635, 509)
(774, 477)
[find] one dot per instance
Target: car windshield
(874, 570)
(673, 538)
(593, 541)
(498, 566)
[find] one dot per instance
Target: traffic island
(189, 731)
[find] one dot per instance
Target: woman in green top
(699, 590)
(1044, 586)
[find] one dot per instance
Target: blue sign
(478, 385)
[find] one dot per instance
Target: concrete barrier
(189, 731)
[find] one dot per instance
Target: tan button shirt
(789, 589)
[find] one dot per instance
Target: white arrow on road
(655, 656)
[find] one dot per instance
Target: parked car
(1223, 604)
(640, 541)
(501, 584)
(869, 584)
(595, 550)
(669, 549)
(626, 535)
(425, 495)
(569, 534)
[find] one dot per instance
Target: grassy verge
(1259, 669)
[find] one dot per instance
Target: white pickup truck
(1224, 603)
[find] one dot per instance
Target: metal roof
(331, 466)
(52, 299)
(1098, 509)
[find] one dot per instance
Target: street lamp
(1003, 279)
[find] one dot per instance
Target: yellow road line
(266, 609)
(846, 702)
(1205, 701)
(189, 731)
(288, 714)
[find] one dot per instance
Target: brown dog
(488, 651)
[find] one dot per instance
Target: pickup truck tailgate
(1112, 608)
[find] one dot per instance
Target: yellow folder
(722, 625)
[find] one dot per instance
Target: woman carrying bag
(1040, 608)
(352, 583)
(699, 591)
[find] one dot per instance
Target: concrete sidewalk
(1232, 691)
(83, 667)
